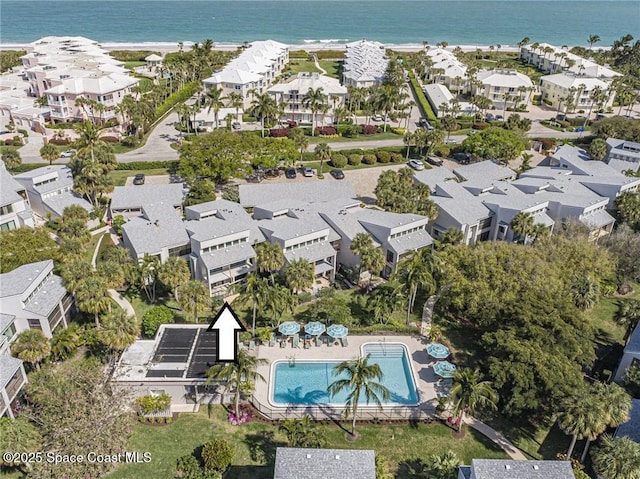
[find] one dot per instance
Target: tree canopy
(23, 246)
(495, 144)
(396, 191)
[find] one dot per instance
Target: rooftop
(296, 463)
(504, 78)
(132, 197)
(631, 428)
(8, 367)
(47, 297)
(308, 192)
(17, 281)
(511, 469)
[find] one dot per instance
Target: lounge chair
(283, 343)
(252, 345)
(272, 341)
(318, 341)
(296, 341)
(345, 343)
(307, 344)
(330, 341)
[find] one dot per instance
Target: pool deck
(424, 377)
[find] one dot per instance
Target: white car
(67, 153)
(307, 172)
(416, 164)
(450, 140)
(376, 117)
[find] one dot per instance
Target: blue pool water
(306, 382)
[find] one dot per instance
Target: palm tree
(360, 243)
(112, 273)
(31, 346)
(373, 260)
(443, 466)
(617, 458)
(409, 140)
(593, 39)
(278, 301)
(119, 330)
(194, 298)
(49, 152)
(585, 291)
(469, 392)
(386, 99)
(361, 378)
(522, 224)
(236, 101)
(414, 273)
(628, 315)
(65, 342)
(254, 291)
(263, 106)
(452, 236)
(300, 139)
(92, 296)
(302, 433)
(184, 112)
(239, 376)
(214, 101)
(578, 415)
(269, 258)
(323, 153)
(299, 274)
(173, 273)
(314, 100)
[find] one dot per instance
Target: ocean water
(464, 22)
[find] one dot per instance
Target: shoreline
(168, 47)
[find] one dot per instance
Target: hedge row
(180, 96)
(422, 100)
(171, 165)
(24, 167)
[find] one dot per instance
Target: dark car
(337, 174)
(462, 158)
(139, 179)
(290, 173)
(434, 161)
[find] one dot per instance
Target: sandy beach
(167, 47)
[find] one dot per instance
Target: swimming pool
(304, 382)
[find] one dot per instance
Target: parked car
(68, 153)
(416, 164)
(462, 157)
(435, 161)
(600, 116)
(425, 124)
(235, 125)
(499, 117)
(490, 117)
(561, 117)
(450, 140)
(376, 117)
(337, 174)
(307, 172)
(139, 179)
(290, 173)
(472, 132)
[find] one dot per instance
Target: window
(10, 225)
(180, 250)
(5, 210)
(34, 324)
(390, 256)
(9, 332)
(485, 223)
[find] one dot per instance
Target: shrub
(383, 156)
(338, 160)
(217, 455)
(398, 131)
(442, 151)
(354, 159)
(59, 141)
(117, 223)
(154, 317)
(368, 129)
(422, 100)
(547, 143)
(170, 165)
(180, 96)
(25, 133)
(304, 297)
(8, 142)
(369, 159)
(563, 123)
(151, 403)
(278, 132)
(349, 131)
(326, 130)
(396, 158)
(481, 125)
(248, 118)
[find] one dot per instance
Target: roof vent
(308, 456)
(507, 466)
(337, 456)
(536, 467)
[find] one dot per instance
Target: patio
(423, 375)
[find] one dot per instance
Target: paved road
(157, 146)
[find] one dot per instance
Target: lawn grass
(378, 136)
(91, 247)
(330, 66)
(120, 176)
(133, 64)
(255, 444)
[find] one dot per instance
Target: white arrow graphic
(227, 324)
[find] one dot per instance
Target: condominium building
(12, 379)
(556, 90)
(512, 469)
(623, 155)
(365, 64)
(505, 88)
(15, 210)
(50, 190)
(252, 72)
(552, 59)
(290, 95)
(447, 70)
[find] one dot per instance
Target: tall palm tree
(628, 315)
(469, 392)
(194, 298)
(300, 139)
(236, 101)
(119, 330)
(263, 106)
(113, 273)
(50, 153)
(214, 101)
(253, 291)
(617, 458)
(386, 99)
(269, 258)
(578, 415)
(373, 260)
(173, 273)
(92, 296)
(314, 100)
(522, 224)
(414, 273)
(278, 301)
(409, 139)
(585, 291)
(31, 346)
(361, 378)
(299, 274)
(65, 342)
(239, 376)
(452, 236)
(360, 243)
(593, 39)
(323, 153)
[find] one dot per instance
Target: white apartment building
(252, 72)
(623, 155)
(447, 70)
(503, 86)
(15, 210)
(555, 60)
(555, 88)
(365, 63)
(291, 94)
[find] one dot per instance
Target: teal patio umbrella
(444, 369)
(438, 351)
(289, 328)
(314, 328)
(337, 331)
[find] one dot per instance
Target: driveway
(157, 147)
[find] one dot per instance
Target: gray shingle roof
(510, 469)
(308, 191)
(411, 242)
(631, 428)
(126, 197)
(17, 281)
(230, 255)
(8, 367)
(459, 203)
(58, 203)
(149, 237)
(598, 219)
(484, 172)
(311, 253)
(8, 188)
(5, 321)
(62, 174)
(296, 463)
(47, 297)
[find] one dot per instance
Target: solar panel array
(204, 354)
(176, 346)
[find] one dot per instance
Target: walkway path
(496, 437)
(322, 70)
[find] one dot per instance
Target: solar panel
(175, 346)
(165, 373)
(204, 354)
